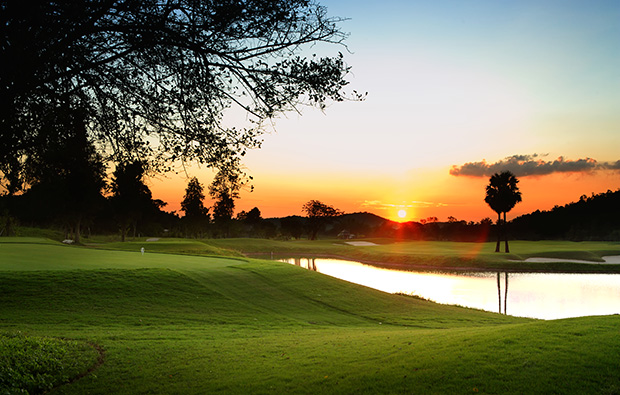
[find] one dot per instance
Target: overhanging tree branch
(163, 69)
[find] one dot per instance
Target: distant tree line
(124, 205)
(368, 225)
(596, 217)
(130, 211)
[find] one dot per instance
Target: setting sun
(402, 214)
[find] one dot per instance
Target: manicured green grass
(170, 246)
(194, 325)
(440, 254)
(39, 254)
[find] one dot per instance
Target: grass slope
(188, 324)
(171, 246)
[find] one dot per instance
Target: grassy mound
(172, 246)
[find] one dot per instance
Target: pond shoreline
(534, 295)
(505, 266)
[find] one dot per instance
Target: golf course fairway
(162, 323)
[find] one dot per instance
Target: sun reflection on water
(536, 295)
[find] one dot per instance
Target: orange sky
(443, 196)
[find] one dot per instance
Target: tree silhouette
(318, 213)
(165, 71)
(502, 194)
(131, 198)
(223, 207)
(251, 217)
(196, 214)
(66, 177)
(224, 190)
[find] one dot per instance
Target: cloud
(611, 166)
(531, 165)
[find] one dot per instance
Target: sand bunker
(614, 260)
(153, 239)
(360, 243)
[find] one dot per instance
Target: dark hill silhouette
(355, 224)
(364, 224)
(365, 218)
(591, 218)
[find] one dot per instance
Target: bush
(36, 365)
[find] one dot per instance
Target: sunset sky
(457, 90)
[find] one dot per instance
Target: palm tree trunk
(506, 233)
(506, 293)
(499, 231)
(499, 293)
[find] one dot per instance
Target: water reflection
(307, 263)
(499, 292)
(536, 295)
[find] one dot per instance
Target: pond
(535, 295)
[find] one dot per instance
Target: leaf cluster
(502, 193)
(317, 209)
(192, 204)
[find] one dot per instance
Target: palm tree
(502, 195)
